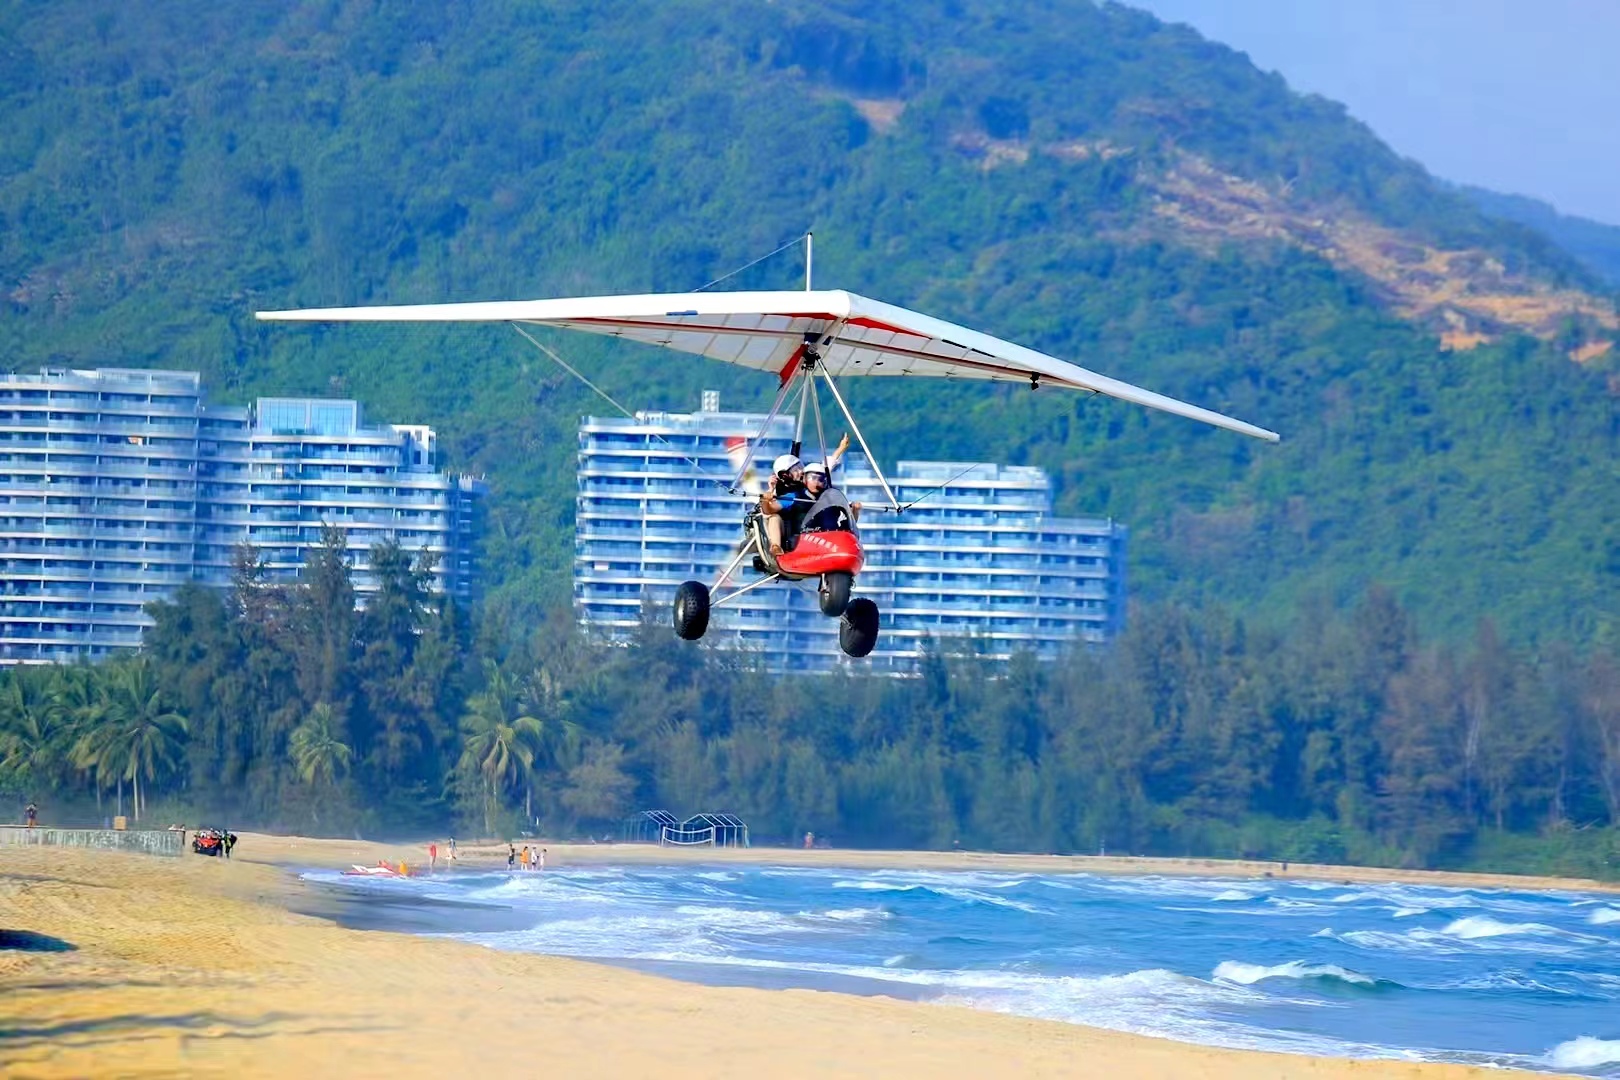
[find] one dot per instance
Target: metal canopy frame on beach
(713, 830)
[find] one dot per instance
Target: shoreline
(333, 853)
(203, 966)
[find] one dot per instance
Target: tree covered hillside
(1079, 178)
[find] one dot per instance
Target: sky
(1519, 96)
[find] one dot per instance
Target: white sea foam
(730, 918)
(1604, 916)
(1510, 980)
(1237, 971)
(1584, 1052)
(848, 914)
(1483, 926)
(973, 896)
(876, 886)
(1407, 912)
(1232, 896)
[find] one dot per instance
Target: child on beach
(511, 856)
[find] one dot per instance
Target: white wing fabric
(770, 331)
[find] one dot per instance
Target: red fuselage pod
(819, 553)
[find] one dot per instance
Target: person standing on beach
(523, 858)
(433, 857)
(511, 857)
(542, 857)
(452, 849)
(31, 815)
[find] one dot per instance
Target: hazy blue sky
(1521, 96)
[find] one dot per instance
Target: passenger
(818, 478)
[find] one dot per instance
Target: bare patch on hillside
(1084, 150)
(990, 153)
(1592, 350)
(1467, 296)
(882, 113)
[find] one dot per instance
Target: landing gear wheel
(858, 633)
(834, 594)
(691, 610)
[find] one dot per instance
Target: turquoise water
(1526, 980)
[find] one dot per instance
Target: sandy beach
(201, 967)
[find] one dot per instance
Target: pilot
(784, 494)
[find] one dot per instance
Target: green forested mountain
(1078, 177)
(1593, 242)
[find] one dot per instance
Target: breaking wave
(1584, 1052)
(1483, 926)
(1236, 971)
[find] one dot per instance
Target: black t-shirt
(796, 501)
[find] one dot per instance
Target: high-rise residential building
(653, 510)
(979, 562)
(118, 486)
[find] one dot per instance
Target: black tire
(858, 633)
(691, 610)
(835, 586)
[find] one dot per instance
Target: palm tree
(138, 734)
(32, 736)
(544, 695)
(318, 755)
(500, 743)
(79, 703)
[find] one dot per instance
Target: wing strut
(748, 453)
(870, 459)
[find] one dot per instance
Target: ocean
(1482, 976)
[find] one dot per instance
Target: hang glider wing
(769, 331)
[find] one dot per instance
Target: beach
(204, 967)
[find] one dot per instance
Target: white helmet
(818, 467)
(784, 463)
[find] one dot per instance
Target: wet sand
(304, 851)
(136, 965)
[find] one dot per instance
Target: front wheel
(691, 610)
(835, 586)
(858, 633)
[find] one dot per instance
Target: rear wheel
(691, 610)
(858, 633)
(835, 586)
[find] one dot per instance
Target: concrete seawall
(149, 841)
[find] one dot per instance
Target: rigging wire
(749, 266)
(924, 495)
(537, 343)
